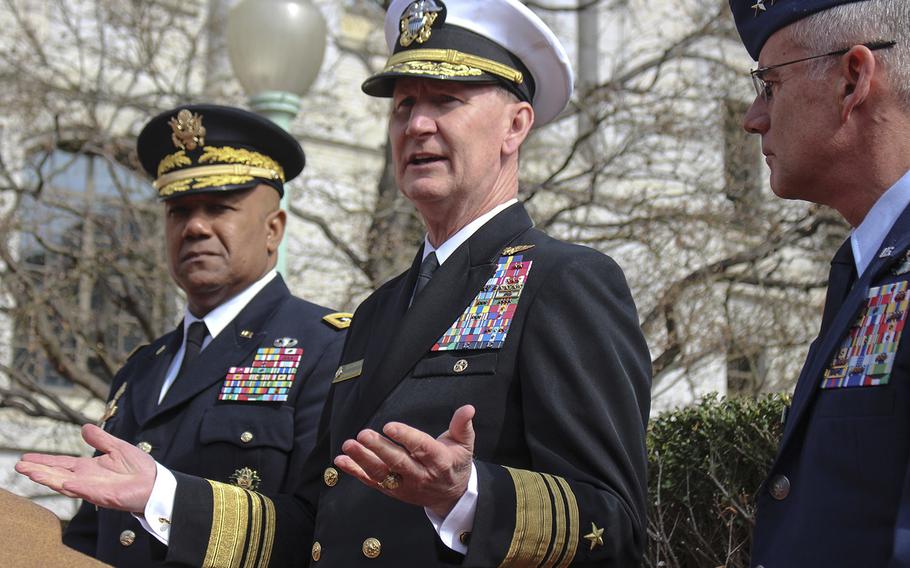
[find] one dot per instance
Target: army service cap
(757, 20)
(209, 148)
(483, 41)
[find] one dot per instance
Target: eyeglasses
(763, 88)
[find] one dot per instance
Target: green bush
(706, 463)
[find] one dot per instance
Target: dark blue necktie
(840, 281)
(427, 268)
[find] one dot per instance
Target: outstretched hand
(120, 478)
(411, 465)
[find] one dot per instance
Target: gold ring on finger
(391, 481)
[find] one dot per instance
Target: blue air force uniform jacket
(233, 442)
(838, 491)
(542, 337)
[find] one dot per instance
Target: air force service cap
(757, 20)
(483, 41)
(210, 148)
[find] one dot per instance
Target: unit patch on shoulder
(485, 323)
(339, 320)
(267, 379)
(866, 356)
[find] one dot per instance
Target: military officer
(491, 403)
(832, 107)
(234, 393)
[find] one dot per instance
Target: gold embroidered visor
(449, 63)
(223, 166)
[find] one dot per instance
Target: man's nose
(422, 121)
(757, 120)
(197, 225)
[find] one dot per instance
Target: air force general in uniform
(833, 111)
(234, 393)
(491, 401)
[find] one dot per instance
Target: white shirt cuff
(460, 519)
(160, 506)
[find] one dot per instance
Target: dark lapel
(892, 250)
(450, 291)
(230, 349)
(144, 387)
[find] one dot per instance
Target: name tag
(348, 371)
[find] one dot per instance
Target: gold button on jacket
(372, 547)
(330, 476)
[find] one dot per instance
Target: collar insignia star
(595, 536)
(886, 252)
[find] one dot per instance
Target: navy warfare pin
(418, 19)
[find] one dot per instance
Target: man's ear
(857, 68)
(519, 127)
(275, 223)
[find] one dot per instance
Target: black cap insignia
(417, 21)
(188, 130)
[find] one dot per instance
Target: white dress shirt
(867, 238)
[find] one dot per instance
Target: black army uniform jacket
(245, 443)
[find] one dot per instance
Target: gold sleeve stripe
(255, 531)
(559, 536)
(229, 523)
(243, 528)
(546, 521)
(574, 522)
(269, 537)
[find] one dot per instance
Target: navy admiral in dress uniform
(235, 392)
(491, 403)
(832, 107)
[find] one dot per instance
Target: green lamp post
(276, 49)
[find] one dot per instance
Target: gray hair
(855, 23)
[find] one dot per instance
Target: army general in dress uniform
(234, 393)
(833, 109)
(491, 403)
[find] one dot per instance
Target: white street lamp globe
(276, 45)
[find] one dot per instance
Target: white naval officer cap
(485, 41)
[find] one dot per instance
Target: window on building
(89, 269)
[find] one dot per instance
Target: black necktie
(427, 268)
(840, 280)
(195, 336)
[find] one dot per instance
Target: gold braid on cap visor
(241, 167)
(400, 61)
